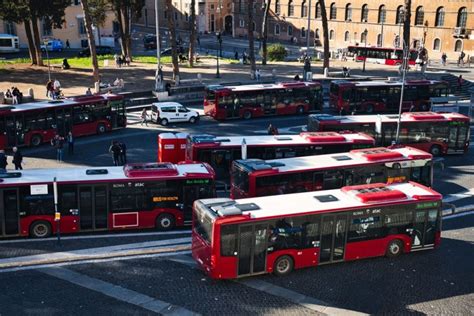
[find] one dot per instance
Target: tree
(90, 37)
(250, 30)
(126, 11)
(172, 30)
(264, 33)
(192, 35)
(324, 20)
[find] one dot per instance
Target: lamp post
(159, 72)
(425, 30)
(47, 56)
(404, 71)
(365, 49)
(219, 40)
(307, 62)
(400, 22)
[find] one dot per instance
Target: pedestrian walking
(88, 91)
(444, 57)
(17, 158)
(116, 58)
(123, 153)
(144, 118)
(127, 60)
(58, 143)
(236, 55)
(68, 46)
(460, 82)
(461, 59)
(70, 143)
(114, 149)
(257, 74)
(3, 161)
(14, 95)
(270, 129)
(49, 89)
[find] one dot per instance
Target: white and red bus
(219, 152)
(135, 196)
(238, 238)
(381, 55)
(436, 133)
(384, 96)
(32, 124)
(257, 100)
(257, 177)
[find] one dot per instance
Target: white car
(171, 112)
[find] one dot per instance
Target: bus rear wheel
(36, 140)
(394, 248)
(101, 129)
(435, 150)
(40, 229)
(247, 115)
(165, 222)
(283, 266)
(300, 110)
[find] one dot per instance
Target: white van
(171, 112)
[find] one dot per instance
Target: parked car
(182, 49)
(100, 50)
(53, 46)
(171, 112)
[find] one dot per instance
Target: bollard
(97, 87)
(326, 72)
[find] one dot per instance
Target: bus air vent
(282, 138)
(247, 207)
(90, 172)
(342, 158)
(423, 116)
(10, 175)
(227, 210)
(377, 154)
(373, 193)
(198, 139)
(323, 137)
(276, 164)
(394, 117)
(261, 166)
(55, 101)
(326, 198)
(222, 140)
(150, 170)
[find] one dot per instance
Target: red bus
(381, 55)
(257, 177)
(219, 152)
(135, 196)
(384, 96)
(436, 133)
(256, 100)
(237, 238)
(32, 124)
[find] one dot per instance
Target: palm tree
(250, 30)
(192, 36)
(265, 31)
(324, 20)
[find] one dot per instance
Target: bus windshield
(202, 223)
(240, 178)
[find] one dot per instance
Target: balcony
(460, 32)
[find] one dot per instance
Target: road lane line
(117, 292)
(292, 296)
(458, 196)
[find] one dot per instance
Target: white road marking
(459, 215)
(117, 292)
(458, 196)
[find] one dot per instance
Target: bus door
(231, 105)
(269, 103)
(333, 238)
(457, 138)
(63, 121)
(93, 207)
(118, 116)
(252, 249)
(14, 130)
(424, 229)
(9, 212)
(197, 189)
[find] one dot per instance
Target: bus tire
(164, 122)
(40, 229)
(394, 248)
(283, 266)
(36, 140)
(165, 221)
(247, 115)
(369, 109)
(300, 110)
(101, 128)
(435, 150)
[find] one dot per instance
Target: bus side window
(332, 180)
(286, 233)
(311, 232)
(398, 223)
(68, 199)
(228, 240)
(365, 228)
(41, 204)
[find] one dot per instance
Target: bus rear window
(240, 179)
(202, 224)
(210, 95)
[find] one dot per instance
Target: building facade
(72, 29)
(439, 25)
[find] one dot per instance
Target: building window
(462, 17)
(290, 30)
(439, 21)
(331, 35)
(382, 14)
(81, 27)
(437, 44)
(317, 10)
(10, 28)
(346, 36)
(419, 16)
(77, 2)
(364, 14)
(212, 7)
(348, 15)
(400, 15)
(241, 6)
(291, 8)
(303, 32)
(46, 26)
(277, 29)
(333, 12)
(277, 6)
(363, 37)
(379, 40)
(458, 46)
(304, 9)
(241, 23)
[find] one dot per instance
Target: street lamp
(365, 49)
(425, 30)
(401, 20)
(219, 40)
(47, 56)
(159, 71)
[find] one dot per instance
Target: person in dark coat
(123, 153)
(70, 143)
(3, 161)
(115, 150)
(17, 158)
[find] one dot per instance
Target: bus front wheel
(247, 115)
(40, 229)
(394, 248)
(165, 221)
(283, 266)
(101, 129)
(435, 150)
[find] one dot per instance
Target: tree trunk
(324, 19)
(406, 27)
(126, 35)
(39, 57)
(172, 31)
(250, 21)
(90, 37)
(123, 44)
(31, 42)
(264, 35)
(192, 35)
